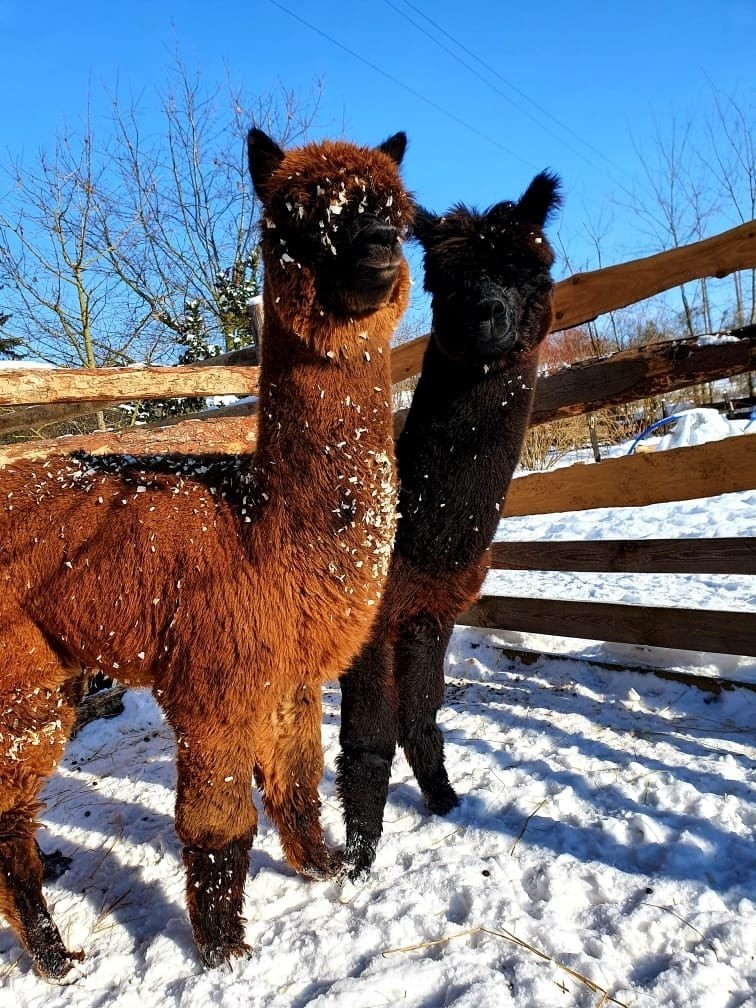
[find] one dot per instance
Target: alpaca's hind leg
(419, 670)
(290, 766)
(216, 821)
(36, 717)
(368, 739)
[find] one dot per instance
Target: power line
(504, 80)
(406, 87)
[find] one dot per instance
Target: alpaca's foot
(359, 856)
(50, 956)
(221, 950)
(324, 865)
(54, 865)
(441, 798)
(54, 963)
(215, 891)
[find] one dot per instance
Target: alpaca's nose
(493, 311)
(382, 240)
(378, 244)
(379, 233)
(496, 328)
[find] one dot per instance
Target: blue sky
(510, 89)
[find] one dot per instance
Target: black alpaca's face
(338, 211)
(490, 275)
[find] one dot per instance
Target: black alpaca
(489, 277)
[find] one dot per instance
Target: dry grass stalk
(520, 835)
(606, 997)
(687, 923)
(106, 910)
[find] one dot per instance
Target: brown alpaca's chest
(319, 588)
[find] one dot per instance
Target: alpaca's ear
(395, 146)
(542, 197)
(423, 225)
(264, 157)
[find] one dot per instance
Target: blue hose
(653, 427)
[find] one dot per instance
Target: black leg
(368, 740)
(419, 671)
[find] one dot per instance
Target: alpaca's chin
(370, 288)
(494, 349)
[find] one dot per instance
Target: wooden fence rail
(704, 470)
(641, 372)
(726, 555)
(712, 630)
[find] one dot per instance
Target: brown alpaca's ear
(395, 146)
(264, 157)
(423, 225)
(542, 197)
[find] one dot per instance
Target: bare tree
(699, 176)
(128, 248)
(62, 299)
(730, 157)
(178, 231)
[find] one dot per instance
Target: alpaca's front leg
(215, 880)
(419, 670)
(289, 769)
(368, 739)
(216, 821)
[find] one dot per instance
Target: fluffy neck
(456, 456)
(325, 395)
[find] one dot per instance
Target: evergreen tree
(9, 346)
(233, 290)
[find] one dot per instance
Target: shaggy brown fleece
(232, 587)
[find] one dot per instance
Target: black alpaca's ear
(542, 197)
(423, 225)
(395, 146)
(264, 157)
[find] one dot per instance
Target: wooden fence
(637, 480)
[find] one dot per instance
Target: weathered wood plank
(685, 629)
(641, 372)
(19, 387)
(233, 435)
(35, 418)
(726, 555)
(106, 703)
(704, 470)
(583, 296)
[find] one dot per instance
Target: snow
(689, 426)
(15, 365)
(602, 853)
(699, 425)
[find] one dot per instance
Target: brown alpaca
(232, 586)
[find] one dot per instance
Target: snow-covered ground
(602, 854)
